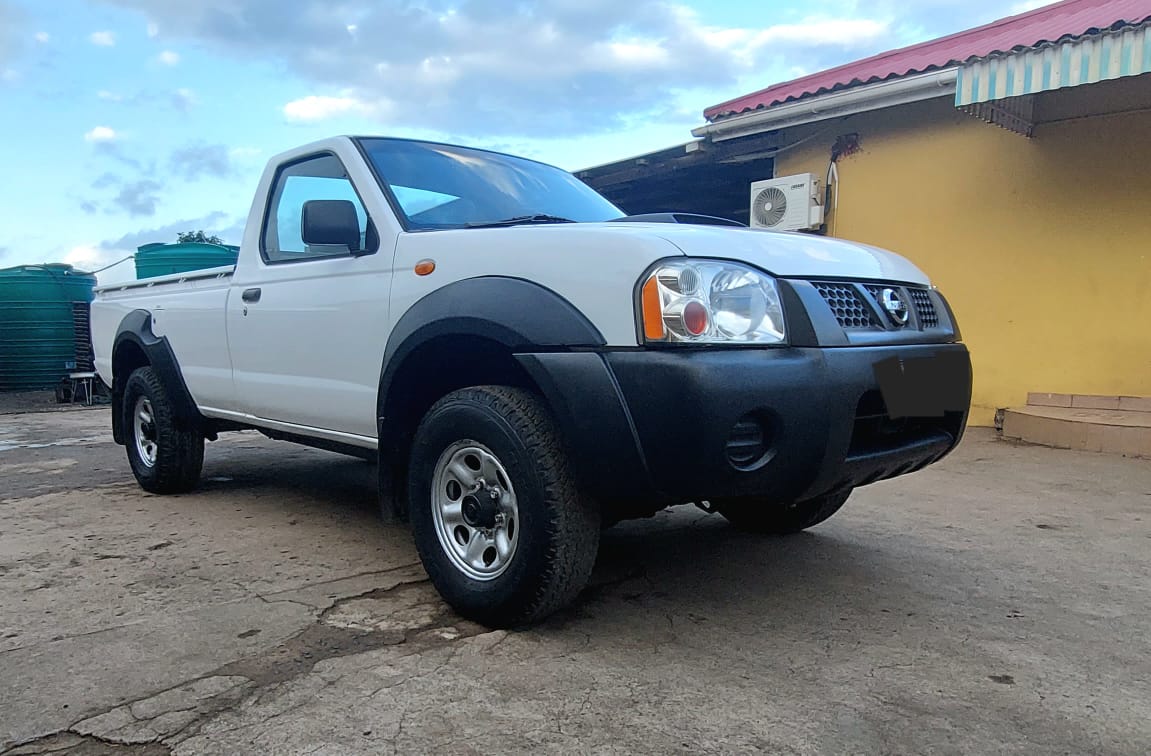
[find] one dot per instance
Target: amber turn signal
(424, 267)
(652, 311)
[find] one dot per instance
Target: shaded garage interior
(697, 177)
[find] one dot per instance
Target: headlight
(710, 302)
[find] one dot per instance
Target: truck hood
(787, 255)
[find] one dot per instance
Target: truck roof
(327, 142)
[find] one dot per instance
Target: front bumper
(647, 428)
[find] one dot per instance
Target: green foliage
(197, 236)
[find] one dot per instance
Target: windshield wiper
(520, 220)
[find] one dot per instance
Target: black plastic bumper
(654, 427)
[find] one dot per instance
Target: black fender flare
(136, 329)
(520, 315)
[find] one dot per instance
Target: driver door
(307, 324)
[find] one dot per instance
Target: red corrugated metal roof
(1071, 18)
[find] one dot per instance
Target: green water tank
(43, 325)
(165, 259)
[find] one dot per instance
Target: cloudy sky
(126, 121)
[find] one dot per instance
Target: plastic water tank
(40, 306)
(165, 259)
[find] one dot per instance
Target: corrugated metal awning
(1084, 60)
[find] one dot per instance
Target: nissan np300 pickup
(529, 365)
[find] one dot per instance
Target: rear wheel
(497, 518)
(762, 517)
(165, 458)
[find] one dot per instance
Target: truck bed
(189, 310)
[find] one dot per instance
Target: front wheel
(498, 521)
(764, 517)
(165, 457)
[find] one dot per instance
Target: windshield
(441, 186)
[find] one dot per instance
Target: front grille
(920, 300)
(925, 308)
(849, 308)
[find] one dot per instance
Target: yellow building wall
(1041, 245)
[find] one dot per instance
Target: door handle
(251, 295)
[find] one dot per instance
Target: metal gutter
(859, 99)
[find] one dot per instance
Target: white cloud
(747, 45)
(107, 96)
(320, 108)
(549, 68)
(102, 38)
(43, 37)
(94, 257)
(153, 30)
(100, 134)
(169, 57)
(89, 257)
(639, 52)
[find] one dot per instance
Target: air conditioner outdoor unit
(788, 203)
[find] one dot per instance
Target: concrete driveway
(998, 602)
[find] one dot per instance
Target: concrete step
(1091, 401)
(1106, 424)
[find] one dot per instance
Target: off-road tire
(179, 451)
(558, 528)
(763, 517)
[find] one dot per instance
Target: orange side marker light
(425, 267)
(652, 312)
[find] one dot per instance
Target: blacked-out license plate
(926, 386)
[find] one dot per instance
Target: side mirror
(331, 223)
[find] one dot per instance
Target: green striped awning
(1085, 60)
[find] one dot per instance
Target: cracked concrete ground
(998, 602)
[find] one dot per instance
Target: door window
(319, 178)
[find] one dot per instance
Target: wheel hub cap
(480, 508)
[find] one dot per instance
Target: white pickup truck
(529, 365)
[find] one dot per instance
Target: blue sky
(126, 121)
